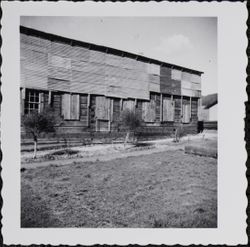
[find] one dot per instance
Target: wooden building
(89, 85)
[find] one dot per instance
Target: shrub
(131, 121)
(36, 123)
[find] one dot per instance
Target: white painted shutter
(66, 98)
(75, 107)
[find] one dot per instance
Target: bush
(131, 121)
(36, 123)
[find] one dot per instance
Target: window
(71, 106)
(32, 101)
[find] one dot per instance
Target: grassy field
(165, 189)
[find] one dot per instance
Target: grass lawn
(165, 189)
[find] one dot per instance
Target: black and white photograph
(124, 127)
(116, 134)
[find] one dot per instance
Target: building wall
(213, 113)
(209, 114)
(73, 80)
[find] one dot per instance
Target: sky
(186, 41)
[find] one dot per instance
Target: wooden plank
(88, 110)
(102, 125)
(23, 93)
(190, 107)
(161, 108)
(111, 109)
(41, 102)
(165, 71)
(195, 78)
(153, 69)
(196, 86)
(168, 109)
(129, 104)
(181, 107)
(121, 105)
(66, 102)
(22, 99)
(58, 61)
(57, 84)
(186, 84)
(149, 111)
(60, 73)
(186, 76)
(49, 98)
(75, 107)
(186, 113)
(102, 108)
(190, 92)
(176, 74)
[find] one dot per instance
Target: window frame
(32, 98)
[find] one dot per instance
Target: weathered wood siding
(51, 65)
(89, 89)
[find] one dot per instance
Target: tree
(36, 123)
(131, 121)
(179, 132)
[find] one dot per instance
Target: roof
(91, 46)
(209, 100)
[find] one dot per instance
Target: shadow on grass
(142, 144)
(64, 152)
(34, 211)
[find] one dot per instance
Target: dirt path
(113, 151)
(104, 157)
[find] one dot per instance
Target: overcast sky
(187, 41)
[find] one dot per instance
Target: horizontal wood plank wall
(190, 85)
(57, 67)
(79, 70)
(167, 84)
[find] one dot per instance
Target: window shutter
(41, 102)
(102, 106)
(186, 113)
(168, 109)
(22, 99)
(148, 111)
(172, 110)
(75, 107)
(66, 106)
(111, 110)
